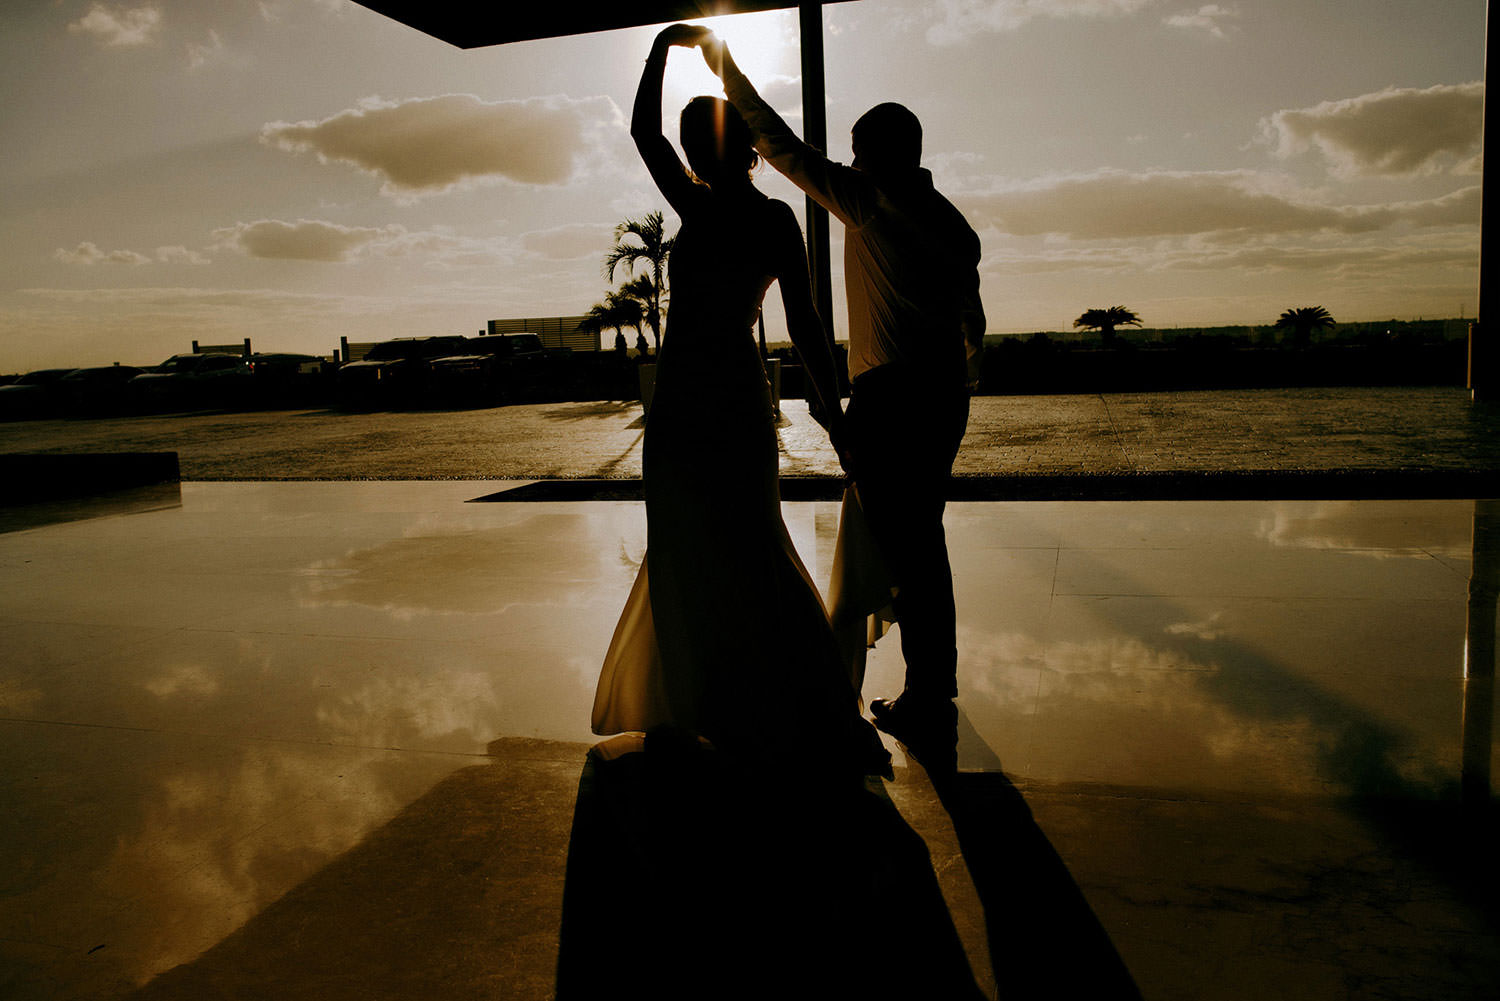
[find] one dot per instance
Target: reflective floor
(201, 706)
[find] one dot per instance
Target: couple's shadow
(688, 878)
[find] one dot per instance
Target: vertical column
(1484, 358)
(815, 133)
(1479, 655)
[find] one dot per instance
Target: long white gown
(724, 632)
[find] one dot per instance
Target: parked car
(102, 389)
(32, 395)
(493, 368)
(282, 377)
(192, 380)
(394, 372)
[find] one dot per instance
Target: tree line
(1300, 320)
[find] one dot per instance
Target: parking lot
(402, 373)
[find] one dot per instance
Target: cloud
(119, 27)
(434, 144)
(1341, 259)
(442, 251)
(320, 240)
(1393, 132)
(179, 254)
(88, 253)
(1115, 204)
(1206, 18)
(202, 53)
(961, 19)
(1392, 259)
(570, 243)
(783, 93)
(303, 240)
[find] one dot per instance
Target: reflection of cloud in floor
(194, 838)
(1204, 629)
(187, 679)
(18, 698)
(477, 571)
(452, 705)
(998, 667)
(1181, 704)
(1371, 527)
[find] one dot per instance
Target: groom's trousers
(905, 434)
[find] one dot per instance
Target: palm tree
(1106, 320)
(598, 319)
(620, 309)
(1303, 320)
(641, 295)
(652, 251)
(625, 309)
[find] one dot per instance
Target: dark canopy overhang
(470, 25)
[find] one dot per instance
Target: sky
(294, 171)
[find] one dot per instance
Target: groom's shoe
(927, 727)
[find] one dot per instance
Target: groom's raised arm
(838, 188)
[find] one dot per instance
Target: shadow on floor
(689, 879)
(591, 410)
(132, 500)
(677, 878)
(1044, 939)
(1042, 936)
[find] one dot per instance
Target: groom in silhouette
(916, 328)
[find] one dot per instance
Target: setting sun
(764, 45)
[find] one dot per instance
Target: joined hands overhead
(694, 36)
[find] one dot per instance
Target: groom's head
(888, 137)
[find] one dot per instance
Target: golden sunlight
(764, 45)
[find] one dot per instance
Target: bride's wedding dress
(724, 633)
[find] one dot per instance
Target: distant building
(242, 348)
(555, 331)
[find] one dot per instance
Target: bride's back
(721, 265)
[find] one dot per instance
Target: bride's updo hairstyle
(716, 140)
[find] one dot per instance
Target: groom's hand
(846, 459)
(838, 434)
(973, 364)
(687, 35)
(713, 50)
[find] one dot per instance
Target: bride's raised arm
(661, 159)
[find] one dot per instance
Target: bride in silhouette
(724, 634)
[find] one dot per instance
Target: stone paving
(1303, 430)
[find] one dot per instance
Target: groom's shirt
(911, 261)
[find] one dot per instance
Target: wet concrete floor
(324, 739)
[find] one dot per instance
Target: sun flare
(764, 46)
